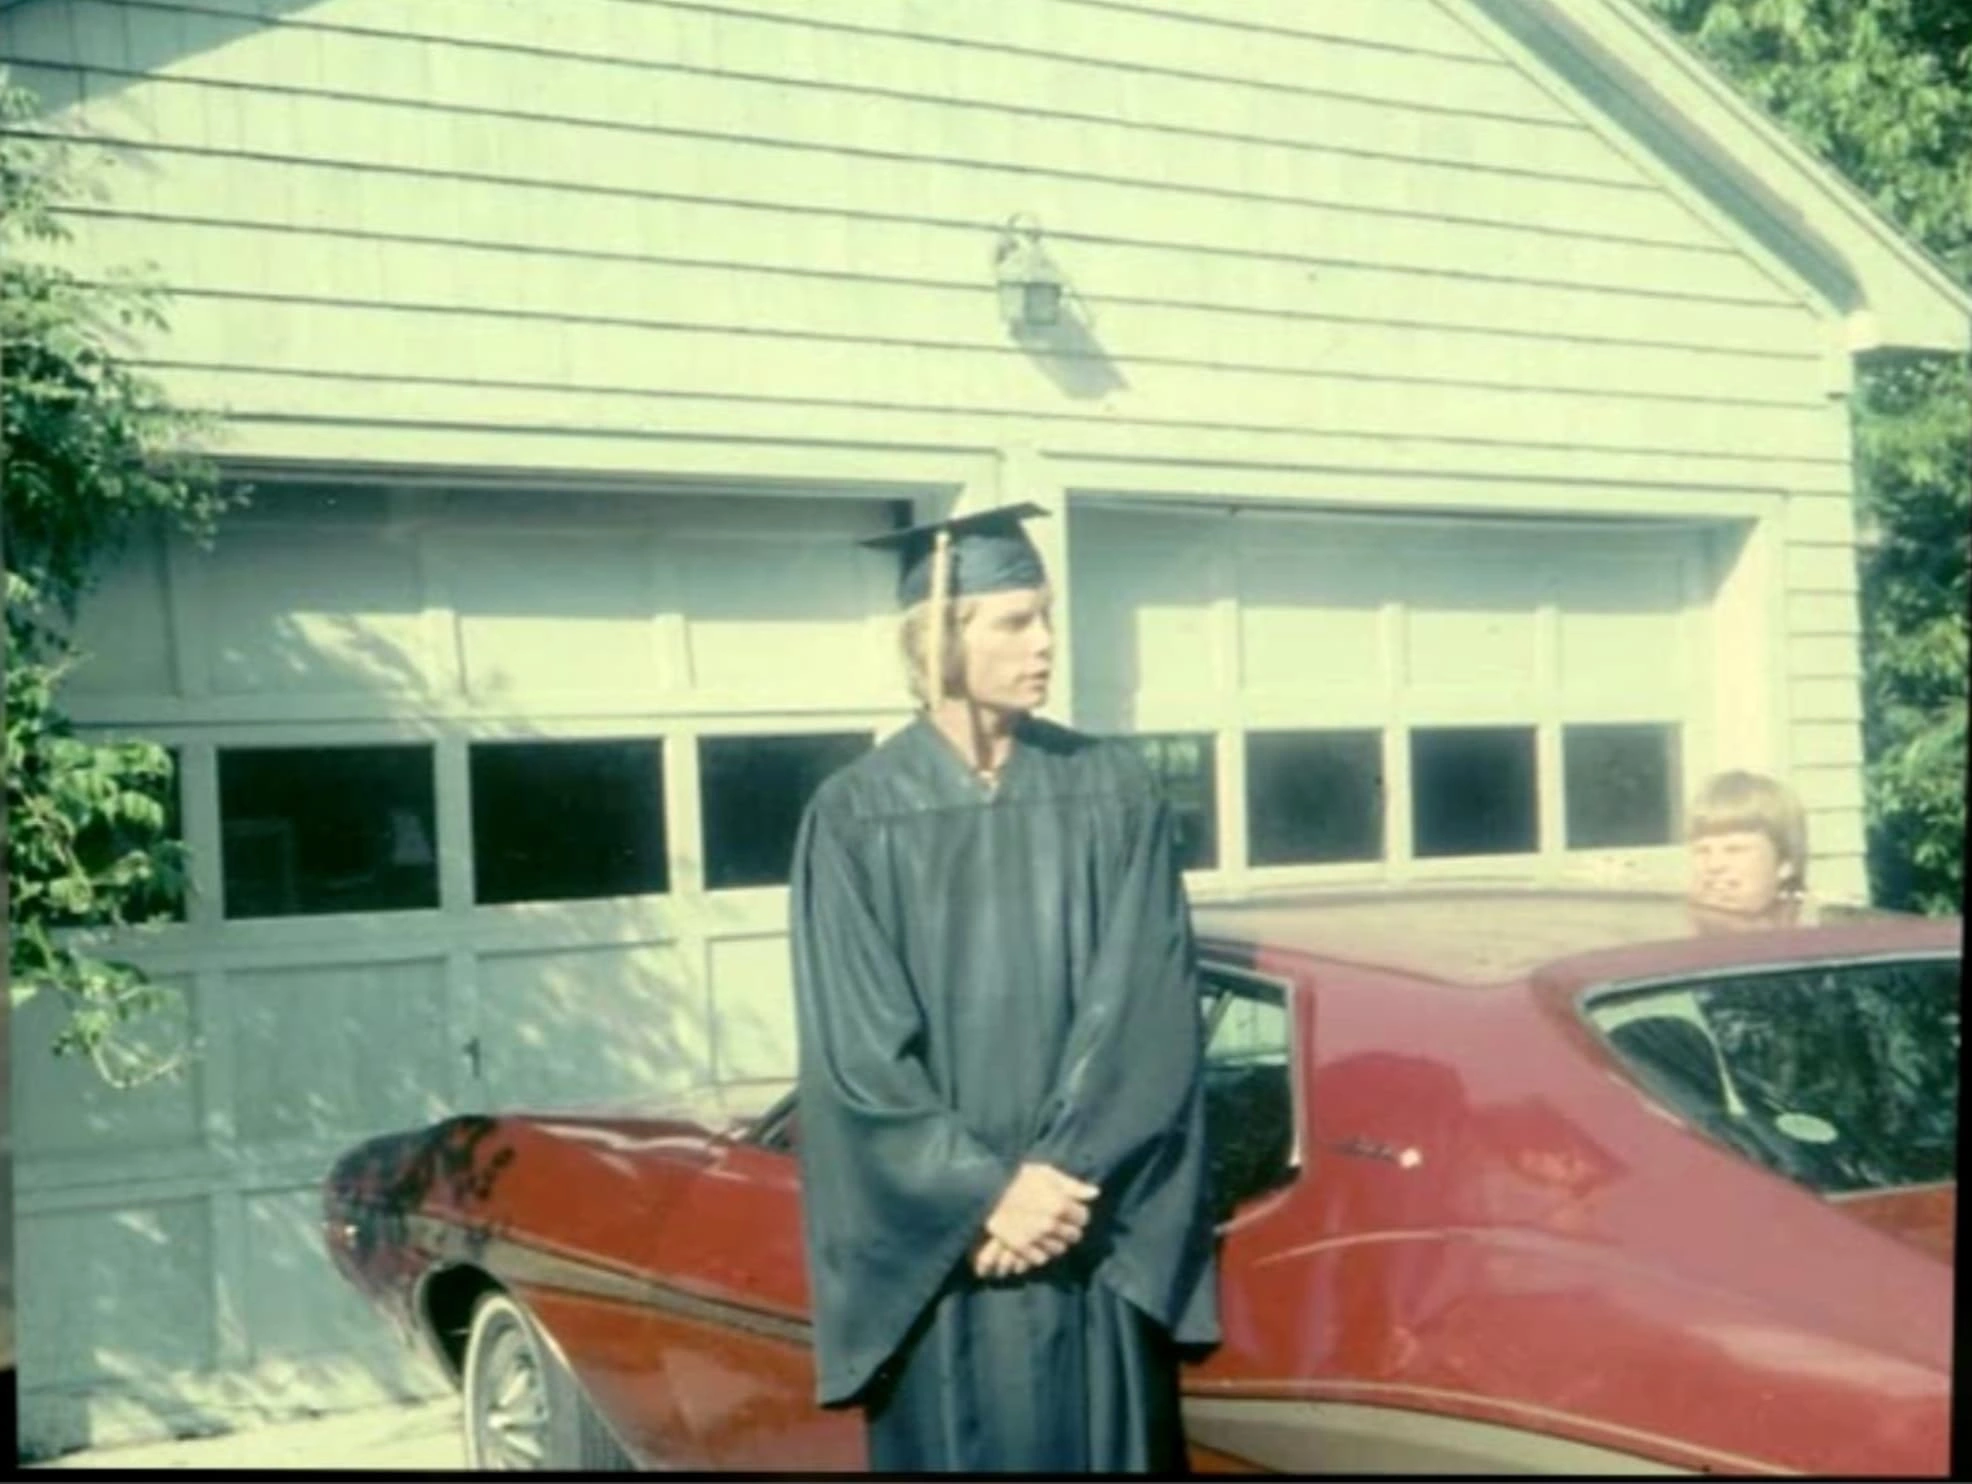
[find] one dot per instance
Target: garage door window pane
(753, 790)
(306, 830)
(567, 821)
(1185, 766)
(1621, 784)
(1314, 797)
(1472, 791)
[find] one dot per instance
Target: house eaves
(1890, 292)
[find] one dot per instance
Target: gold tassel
(941, 582)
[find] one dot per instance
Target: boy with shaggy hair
(1749, 848)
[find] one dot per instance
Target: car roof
(1468, 935)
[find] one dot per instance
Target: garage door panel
(1309, 612)
(1337, 705)
(765, 617)
(545, 612)
(125, 629)
(1611, 701)
(306, 1049)
(753, 1005)
(1615, 610)
(326, 610)
(293, 1306)
(122, 1291)
(1480, 646)
(1471, 704)
(75, 1114)
(1144, 590)
(1469, 617)
(589, 1026)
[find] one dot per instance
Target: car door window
(1249, 1088)
(1842, 1076)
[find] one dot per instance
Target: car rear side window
(1842, 1076)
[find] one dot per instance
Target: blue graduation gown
(985, 977)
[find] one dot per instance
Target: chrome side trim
(530, 1265)
(1403, 1432)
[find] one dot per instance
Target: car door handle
(1409, 1157)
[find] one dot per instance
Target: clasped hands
(1040, 1215)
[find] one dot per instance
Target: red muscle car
(1509, 1181)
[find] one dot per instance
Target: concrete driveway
(422, 1437)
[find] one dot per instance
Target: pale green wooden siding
(1347, 235)
(691, 180)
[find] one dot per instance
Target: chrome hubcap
(511, 1409)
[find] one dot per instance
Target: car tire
(522, 1409)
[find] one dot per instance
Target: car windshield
(1842, 1076)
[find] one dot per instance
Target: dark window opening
(1185, 767)
(1314, 797)
(1472, 791)
(567, 821)
(1249, 1098)
(327, 829)
(1621, 784)
(753, 791)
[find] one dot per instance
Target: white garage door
(1339, 697)
(490, 797)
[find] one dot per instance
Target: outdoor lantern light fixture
(1029, 284)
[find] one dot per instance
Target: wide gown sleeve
(894, 1188)
(1131, 1066)
(1127, 1113)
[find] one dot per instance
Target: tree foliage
(1882, 89)
(93, 452)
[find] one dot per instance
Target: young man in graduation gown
(1001, 1114)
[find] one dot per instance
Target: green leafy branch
(95, 453)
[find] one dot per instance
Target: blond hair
(913, 642)
(1738, 800)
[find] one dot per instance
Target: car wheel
(522, 1408)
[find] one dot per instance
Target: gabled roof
(1634, 71)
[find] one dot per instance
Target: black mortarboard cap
(990, 553)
